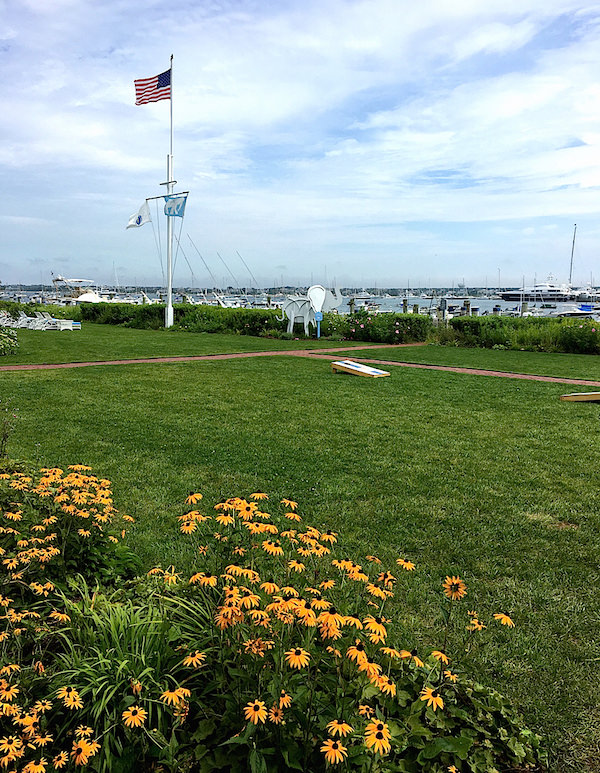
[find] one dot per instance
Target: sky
(343, 142)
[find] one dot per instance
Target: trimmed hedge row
(575, 336)
(196, 319)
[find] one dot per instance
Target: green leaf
(459, 746)
(257, 762)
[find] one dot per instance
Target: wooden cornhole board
(582, 397)
(357, 369)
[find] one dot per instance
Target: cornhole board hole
(357, 369)
(582, 397)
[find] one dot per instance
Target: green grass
(109, 342)
(584, 366)
(493, 479)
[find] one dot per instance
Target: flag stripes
(153, 89)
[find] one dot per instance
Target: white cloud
(317, 127)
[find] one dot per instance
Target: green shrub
(576, 336)
(389, 328)
(8, 341)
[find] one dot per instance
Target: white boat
(545, 292)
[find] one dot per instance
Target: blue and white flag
(140, 217)
(175, 205)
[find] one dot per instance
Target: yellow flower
(454, 588)
(134, 716)
(35, 767)
(289, 503)
(450, 675)
(60, 760)
(297, 658)
(193, 498)
(334, 751)
(285, 700)
(171, 697)
(196, 659)
(255, 711)
(435, 701)
(441, 657)
(377, 737)
(336, 727)
(297, 566)
(504, 619)
(259, 495)
(275, 714)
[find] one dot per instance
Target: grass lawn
(109, 342)
(584, 366)
(492, 479)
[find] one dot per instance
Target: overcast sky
(360, 142)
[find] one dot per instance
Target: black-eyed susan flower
(60, 760)
(134, 716)
(297, 566)
(171, 697)
(70, 697)
(377, 737)
(386, 685)
(504, 619)
(408, 565)
(255, 712)
(275, 714)
(10, 745)
(285, 700)
(38, 766)
(269, 587)
(259, 495)
(454, 588)
(289, 503)
(376, 628)
(194, 659)
(434, 700)
(441, 657)
(337, 727)
(450, 675)
(297, 658)
(82, 751)
(365, 711)
(334, 751)
(272, 547)
(83, 731)
(356, 652)
(193, 498)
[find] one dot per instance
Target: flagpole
(170, 184)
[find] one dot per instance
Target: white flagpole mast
(170, 183)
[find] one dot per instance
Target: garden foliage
(8, 341)
(575, 336)
(278, 652)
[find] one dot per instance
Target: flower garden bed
(278, 652)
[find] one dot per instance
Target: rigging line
(185, 256)
(177, 250)
(237, 284)
(248, 269)
(215, 284)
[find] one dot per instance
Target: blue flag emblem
(175, 205)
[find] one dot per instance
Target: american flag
(153, 89)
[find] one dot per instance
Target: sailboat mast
(572, 253)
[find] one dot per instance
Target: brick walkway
(325, 354)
